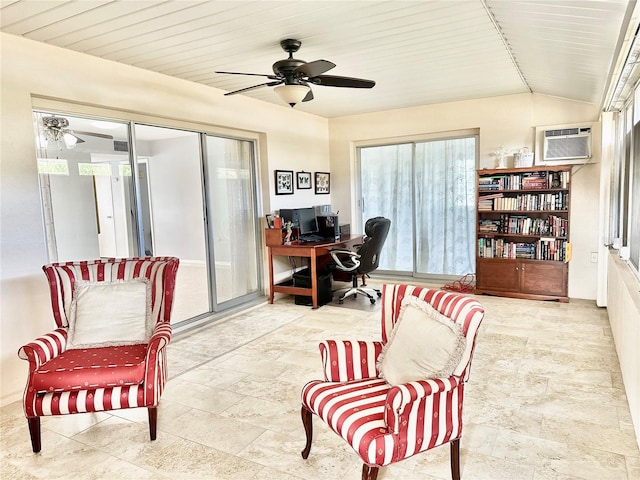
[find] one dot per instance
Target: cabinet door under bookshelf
(522, 232)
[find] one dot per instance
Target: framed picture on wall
(303, 180)
(284, 182)
(323, 182)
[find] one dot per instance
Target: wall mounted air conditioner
(566, 144)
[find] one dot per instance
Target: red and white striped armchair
(387, 423)
(125, 372)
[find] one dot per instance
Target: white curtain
(427, 190)
(445, 206)
(385, 178)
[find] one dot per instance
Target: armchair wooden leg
(153, 421)
(307, 421)
(34, 432)
(455, 459)
(369, 472)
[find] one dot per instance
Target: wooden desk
(311, 250)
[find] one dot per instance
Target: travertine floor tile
(545, 401)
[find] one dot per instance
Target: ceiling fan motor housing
(55, 122)
(287, 68)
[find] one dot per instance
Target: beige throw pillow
(110, 313)
(423, 344)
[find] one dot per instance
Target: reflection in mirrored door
(85, 192)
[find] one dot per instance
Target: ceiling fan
(292, 76)
(55, 129)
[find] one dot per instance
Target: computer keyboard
(311, 237)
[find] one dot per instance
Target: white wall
(623, 305)
(508, 120)
(290, 140)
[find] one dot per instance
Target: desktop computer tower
(302, 279)
(328, 226)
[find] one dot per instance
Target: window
(625, 194)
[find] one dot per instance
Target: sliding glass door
(427, 189)
(171, 185)
(386, 174)
(231, 203)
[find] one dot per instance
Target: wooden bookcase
(522, 232)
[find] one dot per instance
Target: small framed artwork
(323, 182)
(284, 182)
(303, 180)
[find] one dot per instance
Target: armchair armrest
(345, 360)
(160, 337)
(156, 363)
(408, 394)
(352, 255)
(44, 348)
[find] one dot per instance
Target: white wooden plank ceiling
(418, 52)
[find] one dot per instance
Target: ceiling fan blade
(91, 134)
(313, 69)
(78, 139)
(335, 81)
(309, 96)
(242, 90)
(272, 77)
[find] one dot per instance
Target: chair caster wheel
(340, 301)
(373, 301)
(379, 294)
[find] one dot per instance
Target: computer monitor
(307, 221)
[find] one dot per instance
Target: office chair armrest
(345, 360)
(341, 266)
(407, 398)
(44, 348)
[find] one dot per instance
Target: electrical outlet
(594, 257)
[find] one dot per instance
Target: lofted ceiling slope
(418, 52)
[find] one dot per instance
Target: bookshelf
(522, 232)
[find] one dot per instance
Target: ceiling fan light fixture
(292, 94)
(69, 140)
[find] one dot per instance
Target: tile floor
(545, 401)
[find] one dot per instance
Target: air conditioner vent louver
(119, 146)
(567, 144)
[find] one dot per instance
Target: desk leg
(270, 276)
(314, 279)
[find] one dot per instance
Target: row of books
(521, 225)
(540, 180)
(543, 249)
(524, 202)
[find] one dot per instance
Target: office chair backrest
(376, 230)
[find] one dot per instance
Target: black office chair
(364, 260)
